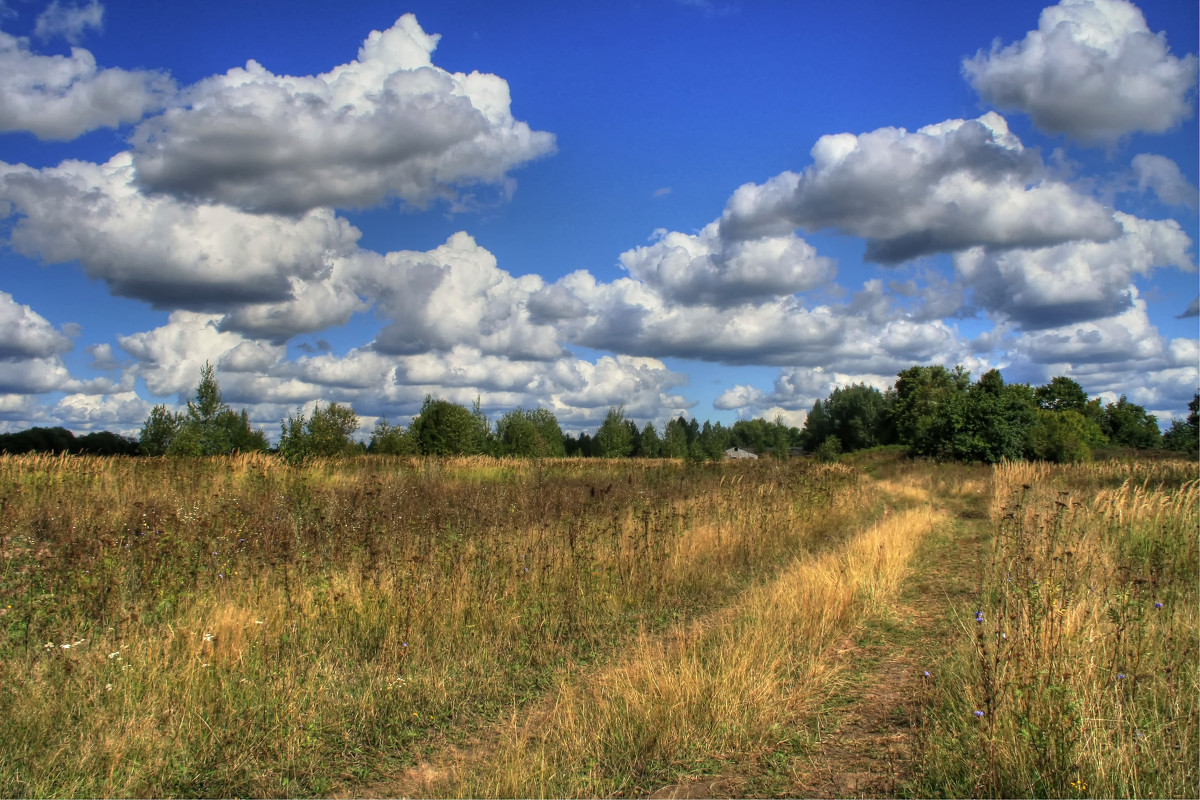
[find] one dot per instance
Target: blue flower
(1158, 605)
(978, 713)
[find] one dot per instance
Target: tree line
(931, 411)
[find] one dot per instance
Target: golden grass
(727, 688)
(1078, 675)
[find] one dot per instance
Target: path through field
(861, 740)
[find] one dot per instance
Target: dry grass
(240, 627)
(724, 689)
(1078, 670)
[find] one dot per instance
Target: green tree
(327, 433)
(1128, 425)
(209, 427)
(531, 434)
(930, 409)
(444, 428)
(158, 431)
(675, 439)
(614, 439)
(649, 445)
(999, 420)
(1061, 394)
(1184, 434)
(391, 440)
(1063, 436)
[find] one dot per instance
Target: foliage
(209, 427)
(1184, 435)
(1063, 436)
(61, 440)
(443, 428)
(1127, 424)
(857, 415)
(930, 409)
(530, 434)
(391, 440)
(614, 439)
(326, 434)
(1061, 394)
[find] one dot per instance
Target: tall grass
(1077, 673)
(727, 690)
(242, 627)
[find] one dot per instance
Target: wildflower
(108, 687)
(208, 637)
(65, 646)
(1120, 676)
(926, 673)
(115, 655)
(979, 616)
(1158, 605)
(1079, 785)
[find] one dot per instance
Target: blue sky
(718, 209)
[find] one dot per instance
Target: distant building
(737, 452)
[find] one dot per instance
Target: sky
(717, 209)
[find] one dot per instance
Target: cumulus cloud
(1122, 354)
(1162, 176)
(388, 124)
(121, 411)
(1073, 282)
(62, 97)
(69, 22)
(706, 268)
(945, 187)
(170, 253)
(454, 295)
(24, 333)
(1092, 70)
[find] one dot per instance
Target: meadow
(588, 627)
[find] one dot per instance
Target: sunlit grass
(1077, 673)
(240, 627)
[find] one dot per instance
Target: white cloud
(120, 411)
(1162, 176)
(945, 187)
(62, 97)
(706, 268)
(455, 295)
(388, 124)
(24, 333)
(69, 22)
(170, 253)
(1072, 282)
(1092, 70)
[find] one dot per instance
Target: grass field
(480, 627)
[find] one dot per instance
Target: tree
(1127, 424)
(998, 421)
(326, 434)
(649, 445)
(448, 429)
(930, 409)
(675, 439)
(391, 440)
(1061, 394)
(1062, 436)
(159, 430)
(532, 434)
(1184, 435)
(209, 427)
(613, 439)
